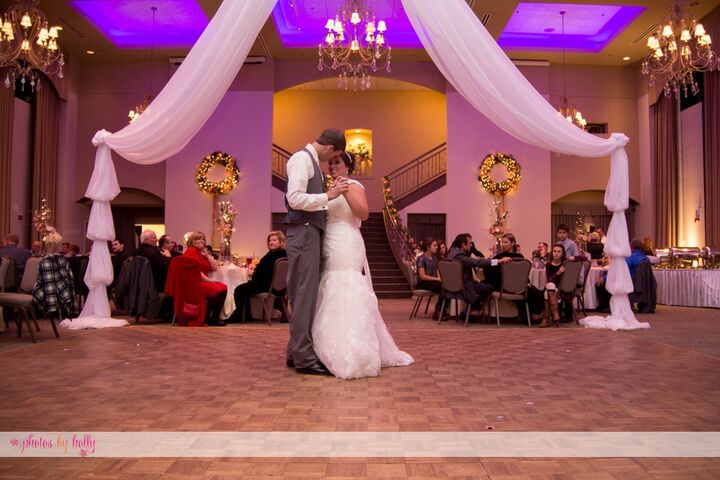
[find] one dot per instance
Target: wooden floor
(162, 378)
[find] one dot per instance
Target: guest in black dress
(261, 276)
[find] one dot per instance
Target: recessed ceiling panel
(129, 24)
(588, 28)
(301, 23)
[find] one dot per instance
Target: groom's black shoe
(316, 368)
(289, 363)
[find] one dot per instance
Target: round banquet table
(232, 276)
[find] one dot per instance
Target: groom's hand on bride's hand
(340, 186)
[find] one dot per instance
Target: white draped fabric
(480, 71)
(166, 126)
(460, 47)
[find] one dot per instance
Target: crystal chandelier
(680, 47)
(353, 49)
(28, 45)
(135, 113)
(566, 109)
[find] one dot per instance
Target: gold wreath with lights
(231, 171)
(513, 170)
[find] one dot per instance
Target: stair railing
(280, 156)
(419, 172)
(397, 233)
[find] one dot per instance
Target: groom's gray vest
(315, 185)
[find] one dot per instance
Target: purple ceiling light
(301, 24)
(588, 28)
(126, 23)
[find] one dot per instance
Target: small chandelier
(352, 49)
(135, 113)
(566, 109)
(679, 47)
(28, 45)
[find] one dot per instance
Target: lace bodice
(339, 210)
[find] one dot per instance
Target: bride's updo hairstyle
(349, 161)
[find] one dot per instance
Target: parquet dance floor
(162, 378)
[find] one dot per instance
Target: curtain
(166, 126)
(46, 113)
(7, 104)
(479, 70)
(711, 128)
(665, 125)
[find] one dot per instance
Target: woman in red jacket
(215, 292)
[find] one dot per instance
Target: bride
(349, 334)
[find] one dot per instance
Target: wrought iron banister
(280, 156)
(419, 172)
(396, 232)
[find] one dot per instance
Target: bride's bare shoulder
(352, 181)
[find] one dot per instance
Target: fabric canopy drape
(164, 128)
(476, 66)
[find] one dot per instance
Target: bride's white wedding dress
(349, 334)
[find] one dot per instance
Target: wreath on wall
(486, 168)
(232, 174)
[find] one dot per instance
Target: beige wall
(404, 125)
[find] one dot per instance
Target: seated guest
(492, 273)
(636, 256)
(474, 292)
(74, 250)
(117, 250)
(167, 244)
(601, 234)
(215, 292)
(594, 247)
(18, 254)
(442, 250)
(261, 276)
(427, 271)
(542, 252)
(648, 248)
(159, 260)
(65, 249)
(562, 235)
(474, 251)
(554, 270)
(36, 248)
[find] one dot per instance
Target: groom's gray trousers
(304, 246)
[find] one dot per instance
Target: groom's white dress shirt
(300, 171)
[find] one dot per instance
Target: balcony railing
(419, 172)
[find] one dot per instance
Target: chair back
(515, 276)
(78, 265)
(569, 279)
(183, 285)
(451, 275)
(410, 274)
(30, 275)
(6, 280)
(279, 278)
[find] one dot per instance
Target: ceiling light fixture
(28, 45)
(352, 49)
(566, 109)
(679, 47)
(135, 113)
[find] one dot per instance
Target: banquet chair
(23, 300)
(514, 286)
(453, 286)
(183, 285)
(644, 288)
(278, 289)
(5, 264)
(568, 285)
(417, 293)
(580, 291)
(78, 265)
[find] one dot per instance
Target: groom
(307, 204)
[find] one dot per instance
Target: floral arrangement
(41, 220)
(498, 216)
(395, 215)
(226, 218)
(361, 151)
(231, 170)
(486, 168)
(581, 235)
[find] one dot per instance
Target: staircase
(388, 280)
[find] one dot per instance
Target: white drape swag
(167, 125)
(460, 47)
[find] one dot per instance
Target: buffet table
(688, 287)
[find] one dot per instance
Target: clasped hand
(340, 186)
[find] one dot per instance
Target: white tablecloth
(538, 279)
(688, 288)
(232, 276)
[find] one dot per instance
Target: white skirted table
(538, 279)
(688, 287)
(232, 276)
